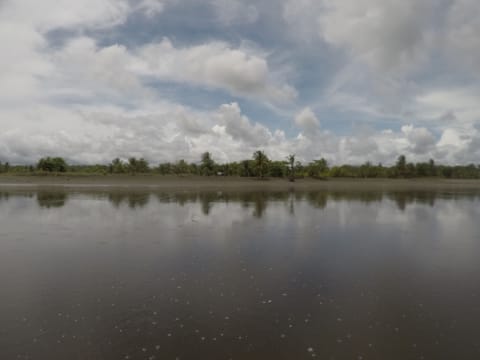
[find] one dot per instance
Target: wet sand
(193, 183)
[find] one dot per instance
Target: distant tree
(165, 168)
(278, 168)
(422, 169)
(410, 170)
(291, 167)
(117, 166)
(299, 169)
(49, 164)
(207, 164)
(401, 166)
(181, 167)
(317, 168)
(136, 166)
(247, 168)
(432, 168)
(261, 163)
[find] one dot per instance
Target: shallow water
(258, 275)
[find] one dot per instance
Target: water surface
(239, 275)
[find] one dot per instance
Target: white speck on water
(310, 349)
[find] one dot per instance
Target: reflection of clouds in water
(457, 221)
(222, 210)
(323, 255)
(51, 199)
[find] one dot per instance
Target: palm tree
(207, 164)
(291, 162)
(261, 163)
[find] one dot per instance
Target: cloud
(307, 121)
(76, 81)
(22, 65)
(421, 140)
(232, 12)
(215, 65)
(462, 29)
(171, 131)
(150, 8)
(388, 34)
(47, 15)
(88, 72)
(240, 128)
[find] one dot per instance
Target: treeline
(258, 166)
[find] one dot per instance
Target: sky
(347, 80)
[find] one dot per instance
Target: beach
(181, 183)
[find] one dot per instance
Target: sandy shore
(178, 183)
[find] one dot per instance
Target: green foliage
(117, 166)
(207, 166)
(137, 166)
(278, 169)
(259, 166)
(261, 162)
(317, 168)
(291, 167)
(49, 164)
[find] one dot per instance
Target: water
(372, 275)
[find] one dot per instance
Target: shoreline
(199, 183)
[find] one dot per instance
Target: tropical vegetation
(259, 166)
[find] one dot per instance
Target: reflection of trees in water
(401, 198)
(362, 197)
(260, 200)
(4, 196)
(133, 200)
(404, 198)
(317, 199)
(51, 199)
